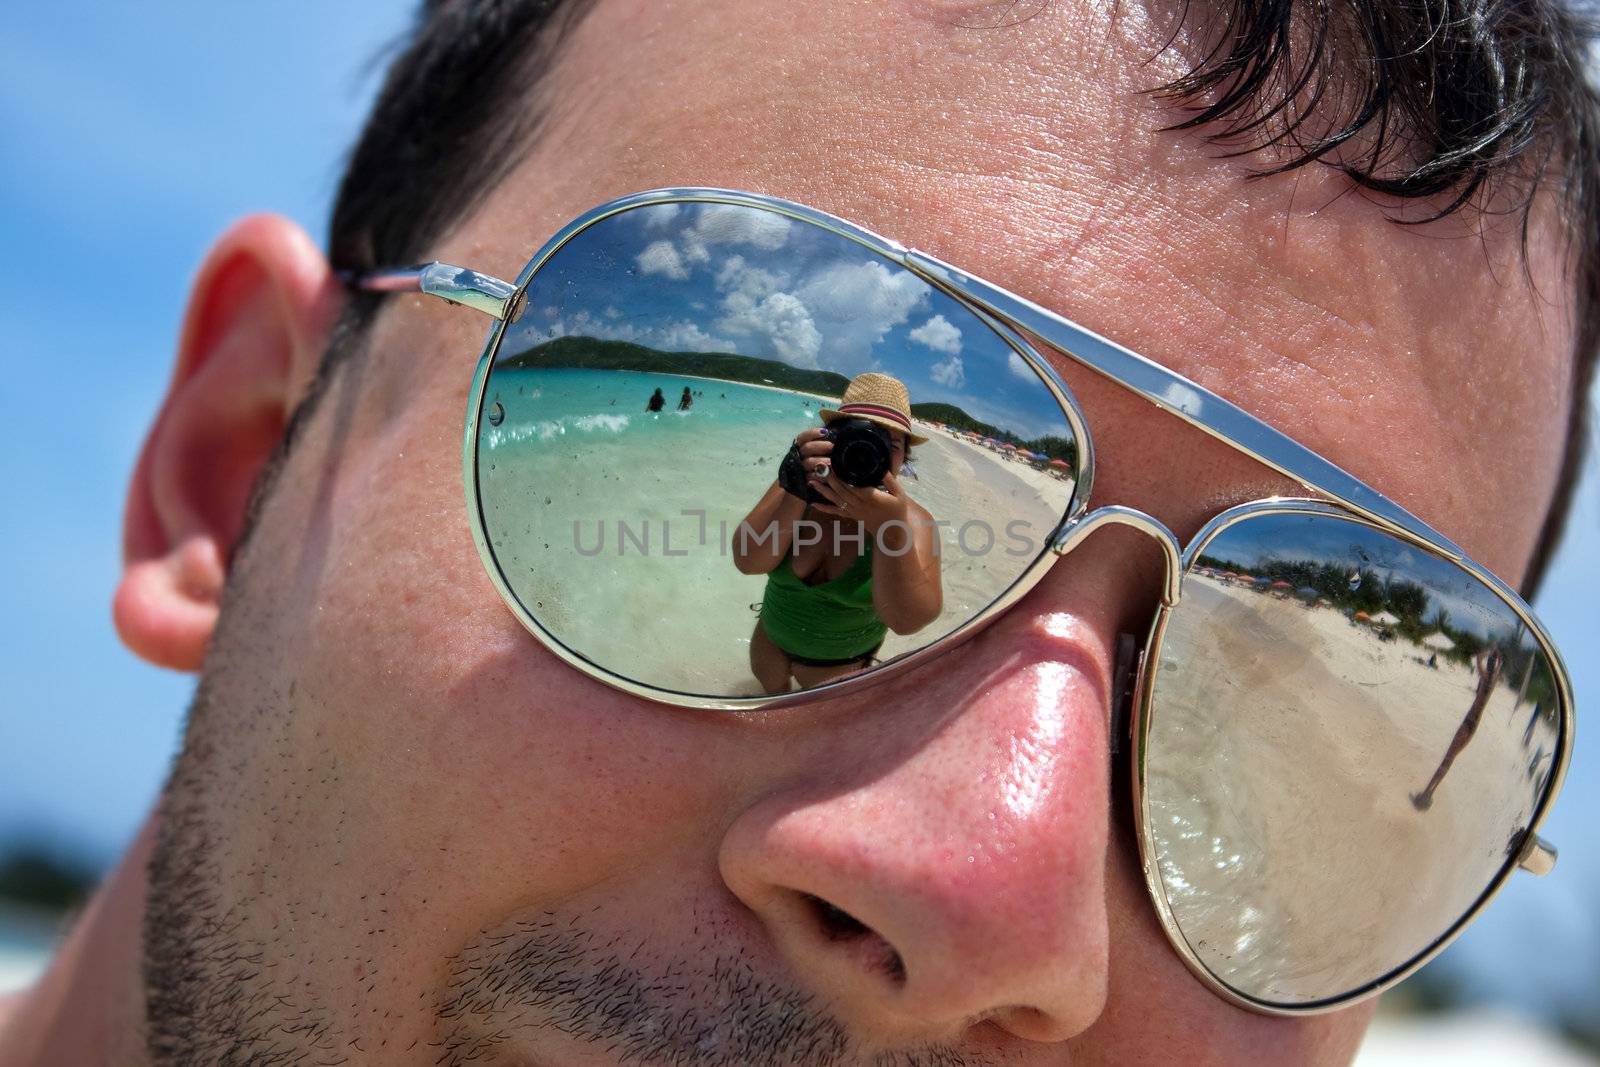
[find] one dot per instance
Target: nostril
(837, 924)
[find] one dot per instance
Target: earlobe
(166, 608)
(256, 327)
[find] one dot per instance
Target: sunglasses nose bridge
(1075, 533)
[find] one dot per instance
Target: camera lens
(862, 452)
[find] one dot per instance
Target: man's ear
(256, 327)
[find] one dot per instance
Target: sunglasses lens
(1346, 742)
(643, 405)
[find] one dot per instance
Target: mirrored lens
(1347, 740)
(634, 423)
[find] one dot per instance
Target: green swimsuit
(824, 624)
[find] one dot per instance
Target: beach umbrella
(1438, 641)
(1308, 592)
(1363, 616)
(1281, 584)
(1383, 618)
(1261, 581)
(1058, 463)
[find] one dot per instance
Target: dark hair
(459, 103)
(1434, 106)
(1440, 104)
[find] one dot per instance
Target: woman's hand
(816, 445)
(872, 506)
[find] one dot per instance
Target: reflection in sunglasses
(1303, 694)
(646, 399)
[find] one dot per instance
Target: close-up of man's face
(402, 830)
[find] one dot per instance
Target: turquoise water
(587, 493)
(612, 525)
(605, 406)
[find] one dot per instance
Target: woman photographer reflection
(848, 554)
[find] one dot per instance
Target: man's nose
(923, 886)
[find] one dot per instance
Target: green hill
(1054, 446)
(592, 354)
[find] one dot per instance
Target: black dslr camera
(862, 454)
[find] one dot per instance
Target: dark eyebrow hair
(1434, 106)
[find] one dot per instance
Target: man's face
(419, 837)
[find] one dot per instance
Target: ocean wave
(609, 423)
(545, 429)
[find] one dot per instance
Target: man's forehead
(1030, 151)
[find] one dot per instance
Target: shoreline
(934, 431)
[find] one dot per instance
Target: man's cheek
(591, 778)
(489, 755)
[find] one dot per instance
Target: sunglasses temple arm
(1173, 393)
(1124, 676)
(459, 285)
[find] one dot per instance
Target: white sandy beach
(1309, 847)
(959, 477)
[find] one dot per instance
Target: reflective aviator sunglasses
(1344, 732)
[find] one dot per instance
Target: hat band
(876, 409)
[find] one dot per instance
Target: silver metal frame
(1015, 318)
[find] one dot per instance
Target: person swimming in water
(843, 572)
(686, 400)
(657, 401)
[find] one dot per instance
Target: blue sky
(730, 278)
(133, 134)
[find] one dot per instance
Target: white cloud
(694, 249)
(949, 373)
(659, 216)
(711, 225)
(781, 320)
(754, 305)
(742, 282)
(730, 224)
(686, 336)
(831, 319)
(938, 334)
(854, 305)
(660, 257)
(1019, 366)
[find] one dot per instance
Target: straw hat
(877, 398)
